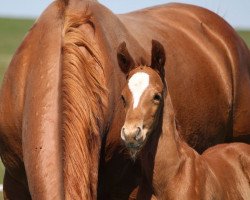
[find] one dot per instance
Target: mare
(171, 169)
(57, 100)
(60, 97)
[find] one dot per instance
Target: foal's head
(143, 99)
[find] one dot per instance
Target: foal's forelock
(137, 84)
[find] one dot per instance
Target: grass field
(12, 31)
(245, 34)
(1, 177)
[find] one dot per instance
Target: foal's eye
(157, 98)
(123, 100)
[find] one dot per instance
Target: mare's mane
(84, 94)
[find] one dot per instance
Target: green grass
(1, 178)
(246, 36)
(12, 32)
(1, 171)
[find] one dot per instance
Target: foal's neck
(169, 153)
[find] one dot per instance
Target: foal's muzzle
(132, 136)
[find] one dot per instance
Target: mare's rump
(207, 71)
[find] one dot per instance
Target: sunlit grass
(12, 32)
(1, 172)
(1, 178)
(246, 36)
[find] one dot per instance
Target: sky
(236, 12)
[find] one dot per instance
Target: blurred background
(16, 17)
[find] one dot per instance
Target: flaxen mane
(84, 93)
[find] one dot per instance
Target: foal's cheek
(153, 110)
(151, 114)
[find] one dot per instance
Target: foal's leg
(14, 189)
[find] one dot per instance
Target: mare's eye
(123, 100)
(157, 98)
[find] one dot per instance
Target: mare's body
(208, 70)
(61, 92)
(57, 100)
(208, 74)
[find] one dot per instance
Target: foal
(171, 169)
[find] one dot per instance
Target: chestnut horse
(172, 168)
(57, 100)
(60, 96)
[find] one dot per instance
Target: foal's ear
(158, 57)
(125, 60)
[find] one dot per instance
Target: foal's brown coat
(173, 170)
(221, 172)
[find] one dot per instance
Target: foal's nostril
(138, 131)
(131, 134)
(123, 134)
(138, 134)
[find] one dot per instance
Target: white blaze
(137, 85)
